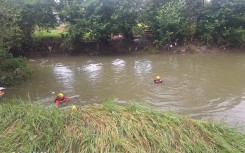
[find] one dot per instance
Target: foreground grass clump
(25, 127)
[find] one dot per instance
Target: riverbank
(27, 127)
(55, 47)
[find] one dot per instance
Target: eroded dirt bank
(51, 47)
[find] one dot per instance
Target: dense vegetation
(27, 127)
(13, 70)
(220, 22)
(181, 21)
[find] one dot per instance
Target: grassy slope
(25, 127)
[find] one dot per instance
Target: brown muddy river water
(203, 86)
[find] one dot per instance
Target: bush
(13, 70)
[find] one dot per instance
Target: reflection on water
(142, 66)
(208, 86)
(118, 65)
(93, 71)
(64, 76)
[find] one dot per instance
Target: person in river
(1, 91)
(157, 79)
(60, 99)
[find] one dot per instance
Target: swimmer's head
(158, 77)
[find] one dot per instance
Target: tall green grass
(26, 127)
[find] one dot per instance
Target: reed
(26, 127)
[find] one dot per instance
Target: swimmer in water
(60, 99)
(157, 79)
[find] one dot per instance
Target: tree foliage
(223, 23)
(209, 22)
(19, 20)
(35, 14)
(10, 33)
(13, 70)
(99, 18)
(219, 22)
(169, 22)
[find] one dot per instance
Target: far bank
(57, 47)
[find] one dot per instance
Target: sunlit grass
(26, 127)
(44, 34)
(57, 34)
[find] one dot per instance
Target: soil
(53, 47)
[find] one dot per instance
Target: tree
(166, 20)
(35, 14)
(223, 23)
(98, 19)
(192, 12)
(125, 17)
(10, 33)
(150, 10)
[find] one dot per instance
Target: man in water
(157, 79)
(60, 99)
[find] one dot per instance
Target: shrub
(13, 70)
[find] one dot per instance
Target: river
(202, 86)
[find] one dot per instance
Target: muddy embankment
(55, 47)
